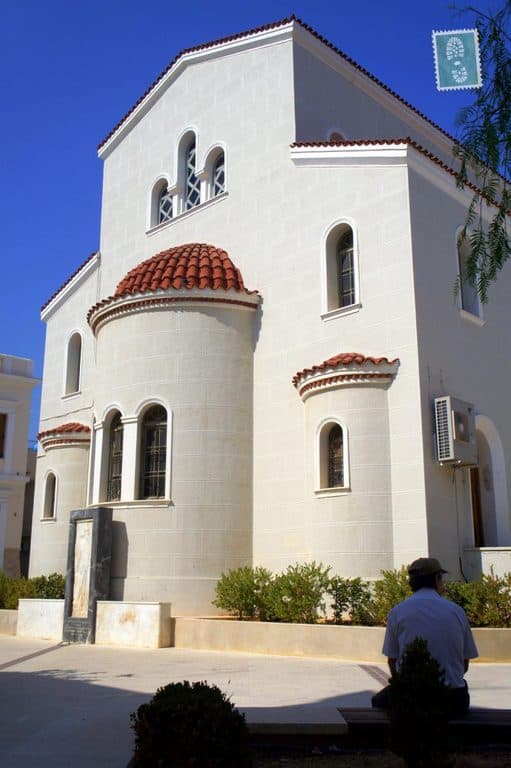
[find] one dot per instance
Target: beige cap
(425, 566)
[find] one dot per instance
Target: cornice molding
(62, 294)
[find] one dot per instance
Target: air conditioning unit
(455, 432)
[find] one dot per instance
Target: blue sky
(70, 69)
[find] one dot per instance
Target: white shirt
(442, 623)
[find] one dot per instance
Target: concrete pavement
(68, 706)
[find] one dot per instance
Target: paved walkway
(68, 706)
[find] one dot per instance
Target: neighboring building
(16, 384)
(227, 424)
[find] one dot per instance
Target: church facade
(251, 369)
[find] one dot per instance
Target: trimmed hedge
(46, 587)
(304, 593)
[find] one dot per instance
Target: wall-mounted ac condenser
(455, 432)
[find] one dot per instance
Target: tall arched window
(50, 496)
(165, 205)
(335, 457)
(192, 183)
(113, 489)
(341, 269)
(469, 298)
(73, 364)
(332, 458)
(153, 452)
(218, 175)
(345, 269)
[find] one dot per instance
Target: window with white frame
(114, 465)
(341, 270)
(332, 457)
(50, 496)
(218, 175)
(73, 364)
(153, 452)
(192, 183)
(468, 295)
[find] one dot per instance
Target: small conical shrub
(419, 707)
(190, 725)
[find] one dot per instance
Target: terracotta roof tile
(341, 361)
(82, 265)
(256, 30)
(72, 426)
(194, 265)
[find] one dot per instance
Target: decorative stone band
(346, 369)
(66, 435)
(113, 308)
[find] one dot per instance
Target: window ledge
(475, 319)
(184, 214)
(69, 395)
(326, 492)
(135, 503)
(341, 311)
(47, 519)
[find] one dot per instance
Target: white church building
(248, 370)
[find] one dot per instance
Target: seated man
(442, 623)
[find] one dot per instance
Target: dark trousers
(459, 700)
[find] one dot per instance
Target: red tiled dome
(194, 265)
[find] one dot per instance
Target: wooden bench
(478, 727)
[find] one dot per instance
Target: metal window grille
(335, 457)
(192, 196)
(165, 207)
(219, 176)
(113, 491)
(345, 271)
(154, 453)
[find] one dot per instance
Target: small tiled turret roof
(339, 361)
(71, 427)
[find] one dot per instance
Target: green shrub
(190, 725)
(298, 594)
(12, 589)
(352, 600)
(241, 592)
(419, 708)
(388, 591)
(50, 587)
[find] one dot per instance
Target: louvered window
(192, 186)
(153, 453)
(165, 206)
(219, 176)
(345, 270)
(335, 457)
(113, 492)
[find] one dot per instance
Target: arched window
(332, 464)
(335, 457)
(73, 364)
(218, 176)
(49, 496)
(192, 183)
(345, 269)
(113, 488)
(165, 205)
(153, 452)
(468, 296)
(341, 270)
